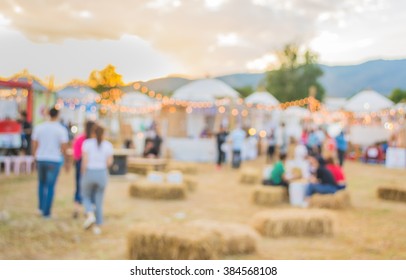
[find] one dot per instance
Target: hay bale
(250, 176)
(269, 196)
(154, 190)
(184, 167)
(294, 222)
(171, 242)
(392, 193)
(137, 169)
(235, 238)
(190, 182)
(339, 200)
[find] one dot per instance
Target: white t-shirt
(97, 155)
(50, 136)
(237, 137)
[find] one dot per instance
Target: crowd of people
(317, 158)
(92, 155)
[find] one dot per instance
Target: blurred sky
(153, 38)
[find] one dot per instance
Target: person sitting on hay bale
(322, 181)
(150, 150)
(336, 171)
(278, 176)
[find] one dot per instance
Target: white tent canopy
(204, 90)
(296, 111)
(136, 99)
(262, 97)
(83, 94)
(401, 105)
(367, 101)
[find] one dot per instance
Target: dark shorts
(271, 150)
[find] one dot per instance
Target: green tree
(297, 73)
(398, 95)
(107, 82)
(245, 91)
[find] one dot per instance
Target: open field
(372, 229)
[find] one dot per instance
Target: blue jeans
(78, 197)
(320, 188)
(93, 185)
(47, 175)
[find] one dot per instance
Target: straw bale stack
(250, 176)
(269, 195)
(235, 238)
(157, 190)
(392, 193)
(339, 200)
(294, 222)
(184, 167)
(171, 242)
(191, 183)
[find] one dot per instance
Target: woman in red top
(336, 171)
(77, 156)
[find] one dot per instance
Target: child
(278, 174)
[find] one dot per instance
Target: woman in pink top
(77, 156)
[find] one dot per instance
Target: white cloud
(215, 36)
(266, 62)
(133, 57)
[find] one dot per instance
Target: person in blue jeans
(49, 143)
(237, 137)
(97, 157)
(342, 147)
(322, 181)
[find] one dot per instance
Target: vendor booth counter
(120, 161)
(205, 149)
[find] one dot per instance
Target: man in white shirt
(49, 140)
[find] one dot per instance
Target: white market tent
(261, 119)
(367, 101)
(80, 93)
(401, 105)
(79, 103)
(136, 99)
(263, 98)
(204, 90)
(138, 122)
(334, 103)
(292, 117)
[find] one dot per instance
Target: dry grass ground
(372, 229)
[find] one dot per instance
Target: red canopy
(27, 86)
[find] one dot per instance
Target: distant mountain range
(380, 75)
(339, 81)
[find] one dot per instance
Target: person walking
(26, 133)
(283, 139)
(342, 147)
(77, 156)
(271, 146)
(237, 138)
(221, 138)
(49, 144)
(97, 156)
